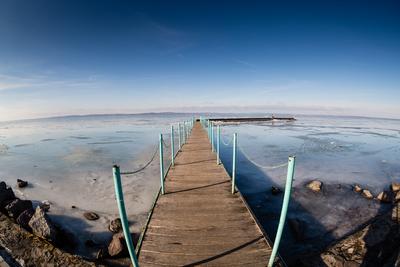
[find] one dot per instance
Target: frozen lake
(68, 161)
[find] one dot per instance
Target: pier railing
(182, 131)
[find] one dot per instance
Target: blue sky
(82, 57)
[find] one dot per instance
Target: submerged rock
(22, 183)
(275, 190)
(367, 194)
(357, 188)
(42, 226)
(91, 216)
(315, 185)
(395, 186)
(115, 225)
(17, 206)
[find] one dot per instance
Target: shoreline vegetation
(30, 238)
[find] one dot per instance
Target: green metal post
(234, 152)
(172, 146)
(122, 213)
(218, 140)
(285, 205)
(161, 165)
(179, 136)
(212, 137)
(184, 133)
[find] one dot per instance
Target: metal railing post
(218, 140)
(212, 137)
(122, 213)
(161, 165)
(285, 205)
(179, 136)
(234, 152)
(172, 146)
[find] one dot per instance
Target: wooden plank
(198, 221)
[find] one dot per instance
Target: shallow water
(338, 151)
(68, 161)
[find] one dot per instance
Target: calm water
(68, 161)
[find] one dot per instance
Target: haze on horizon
(308, 57)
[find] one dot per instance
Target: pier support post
(285, 205)
(161, 165)
(122, 213)
(234, 152)
(172, 146)
(218, 141)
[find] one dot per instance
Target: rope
(262, 166)
(144, 167)
(165, 144)
(226, 143)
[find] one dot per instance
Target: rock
(6, 195)
(395, 187)
(45, 205)
(397, 196)
(3, 185)
(22, 183)
(396, 212)
(115, 225)
(315, 185)
(91, 216)
(385, 197)
(17, 206)
(298, 228)
(101, 254)
(367, 194)
(117, 246)
(275, 190)
(42, 226)
(29, 250)
(24, 218)
(357, 188)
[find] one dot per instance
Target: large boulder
(315, 185)
(42, 226)
(397, 196)
(17, 206)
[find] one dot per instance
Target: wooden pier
(198, 221)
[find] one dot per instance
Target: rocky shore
(375, 243)
(28, 237)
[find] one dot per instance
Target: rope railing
(145, 166)
(268, 167)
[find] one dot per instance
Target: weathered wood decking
(198, 221)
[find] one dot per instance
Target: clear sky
(82, 57)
